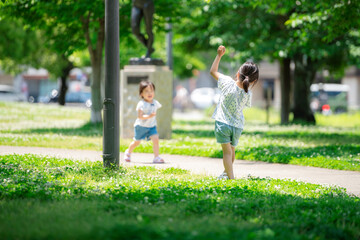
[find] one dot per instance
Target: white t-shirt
(231, 103)
(147, 109)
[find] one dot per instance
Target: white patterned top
(232, 101)
(147, 109)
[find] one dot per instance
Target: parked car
(8, 94)
(70, 97)
(329, 98)
(52, 96)
(204, 97)
(79, 97)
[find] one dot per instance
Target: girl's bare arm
(214, 67)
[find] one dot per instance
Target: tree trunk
(63, 86)
(96, 106)
(285, 81)
(63, 90)
(304, 75)
(96, 54)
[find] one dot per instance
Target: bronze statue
(143, 9)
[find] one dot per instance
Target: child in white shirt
(145, 124)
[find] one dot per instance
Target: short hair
(145, 84)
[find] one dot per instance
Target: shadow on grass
(317, 137)
(170, 208)
(281, 154)
(194, 133)
(311, 137)
(194, 122)
(88, 130)
(254, 215)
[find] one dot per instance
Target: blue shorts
(144, 132)
(225, 133)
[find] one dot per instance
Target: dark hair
(145, 84)
(249, 73)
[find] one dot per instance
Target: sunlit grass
(318, 146)
(325, 145)
(15, 116)
(40, 125)
(51, 198)
(343, 120)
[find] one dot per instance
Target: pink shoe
(127, 157)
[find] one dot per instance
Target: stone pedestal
(130, 77)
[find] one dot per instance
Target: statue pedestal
(130, 77)
(146, 61)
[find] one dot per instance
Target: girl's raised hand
(221, 50)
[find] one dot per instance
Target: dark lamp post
(111, 131)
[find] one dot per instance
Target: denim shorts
(225, 133)
(144, 132)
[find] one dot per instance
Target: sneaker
(223, 176)
(127, 156)
(158, 160)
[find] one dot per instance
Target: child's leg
(155, 140)
(133, 145)
(233, 154)
(227, 159)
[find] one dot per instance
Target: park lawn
(51, 198)
(40, 125)
(333, 144)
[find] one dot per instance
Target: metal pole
(111, 139)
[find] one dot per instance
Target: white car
(204, 97)
(8, 94)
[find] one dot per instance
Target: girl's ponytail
(245, 84)
(249, 73)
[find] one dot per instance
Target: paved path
(213, 166)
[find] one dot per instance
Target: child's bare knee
(155, 138)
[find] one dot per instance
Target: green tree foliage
(320, 31)
(19, 46)
(312, 34)
(337, 21)
(248, 33)
(333, 18)
(68, 26)
(279, 30)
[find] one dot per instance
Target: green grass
(50, 198)
(334, 143)
(341, 120)
(318, 146)
(40, 125)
